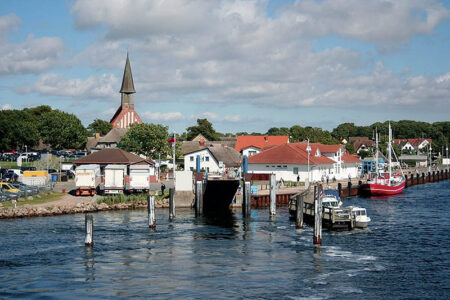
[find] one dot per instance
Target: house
(213, 159)
(111, 139)
(289, 161)
(199, 142)
(253, 144)
(361, 143)
(416, 144)
(114, 156)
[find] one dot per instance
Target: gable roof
(294, 153)
(112, 156)
(259, 141)
(225, 154)
(113, 136)
(414, 142)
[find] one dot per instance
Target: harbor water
(404, 254)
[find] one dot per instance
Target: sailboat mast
(389, 152)
(376, 152)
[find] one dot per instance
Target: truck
(87, 180)
(139, 179)
(114, 179)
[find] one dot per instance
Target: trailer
(114, 179)
(87, 180)
(139, 179)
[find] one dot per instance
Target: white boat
(360, 216)
(331, 199)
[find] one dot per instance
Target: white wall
(183, 181)
(286, 171)
(207, 161)
(246, 151)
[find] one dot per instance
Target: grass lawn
(13, 164)
(44, 198)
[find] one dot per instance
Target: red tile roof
(289, 154)
(111, 156)
(346, 157)
(413, 142)
(259, 141)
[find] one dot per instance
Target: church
(125, 115)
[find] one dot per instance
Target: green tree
(17, 129)
(62, 130)
(99, 126)
(147, 139)
(278, 131)
(203, 127)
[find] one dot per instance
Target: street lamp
(26, 153)
(430, 158)
(308, 149)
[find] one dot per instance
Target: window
(207, 158)
(191, 168)
(295, 171)
(191, 158)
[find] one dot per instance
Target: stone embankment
(40, 211)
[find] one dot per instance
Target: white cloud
(103, 86)
(34, 55)
(6, 107)
(159, 116)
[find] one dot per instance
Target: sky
(243, 65)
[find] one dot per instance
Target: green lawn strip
(115, 199)
(44, 199)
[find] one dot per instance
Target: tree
(278, 131)
(203, 127)
(99, 126)
(147, 139)
(17, 129)
(62, 130)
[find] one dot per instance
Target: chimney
(202, 142)
(97, 135)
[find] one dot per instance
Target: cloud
(159, 116)
(34, 55)
(101, 87)
(6, 107)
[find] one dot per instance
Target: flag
(173, 139)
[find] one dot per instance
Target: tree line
(62, 130)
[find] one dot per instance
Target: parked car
(52, 171)
(7, 196)
(30, 190)
(5, 186)
(68, 173)
(10, 176)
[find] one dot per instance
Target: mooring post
(423, 178)
(247, 199)
(412, 179)
(317, 215)
(199, 198)
(171, 203)
(349, 187)
(89, 230)
(299, 212)
(340, 189)
(406, 181)
(273, 195)
(151, 212)
(434, 176)
(417, 178)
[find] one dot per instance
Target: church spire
(127, 81)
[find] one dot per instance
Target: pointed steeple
(127, 81)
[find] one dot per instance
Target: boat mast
(390, 153)
(376, 152)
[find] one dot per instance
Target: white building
(290, 161)
(213, 159)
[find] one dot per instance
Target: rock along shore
(32, 211)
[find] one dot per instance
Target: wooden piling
(198, 198)
(429, 177)
(273, 195)
(317, 240)
(406, 181)
(412, 179)
(433, 175)
(151, 212)
(423, 178)
(299, 212)
(340, 189)
(89, 230)
(349, 188)
(171, 203)
(417, 178)
(246, 205)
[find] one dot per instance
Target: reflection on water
(403, 254)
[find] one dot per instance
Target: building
(416, 145)
(290, 161)
(125, 115)
(253, 144)
(213, 159)
(362, 143)
(200, 142)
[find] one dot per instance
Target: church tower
(125, 115)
